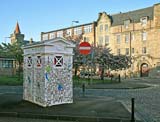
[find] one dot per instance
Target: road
(147, 100)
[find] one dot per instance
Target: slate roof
(134, 16)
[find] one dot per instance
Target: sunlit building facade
(134, 33)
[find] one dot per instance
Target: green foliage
(13, 51)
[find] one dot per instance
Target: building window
(101, 28)
(106, 40)
(106, 27)
(45, 37)
(86, 39)
(144, 50)
(100, 40)
(6, 63)
(144, 36)
(78, 31)
(132, 50)
(127, 51)
(132, 36)
(60, 34)
(118, 51)
(126, 23)
(69, 32)
(126, 38)
(88, 29)
(143, 21)
(52, 35)
(58, 61)
(118, 38)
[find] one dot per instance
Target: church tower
(17, 36)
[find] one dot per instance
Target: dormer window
(126, 23)
(143, 21)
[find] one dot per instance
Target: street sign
(84, 48)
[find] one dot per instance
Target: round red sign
(84, 48)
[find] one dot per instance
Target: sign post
(84, 49)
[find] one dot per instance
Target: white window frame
(126, 38)
(78, 31)
(45, 36)
(143, 21)
(126, 23)
(101, 28)
(106, 39)
(100, 41)
(118, 38)
(59, 33)
(127, 51)
(52, 35)
(88, 28)
(144, 36)
(106, 27)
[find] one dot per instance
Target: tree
(107, 60)
(103, 57)
(14, 51)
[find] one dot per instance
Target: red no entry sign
(84, 48)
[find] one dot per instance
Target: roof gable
(56, 41)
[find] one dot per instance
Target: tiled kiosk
(48, 72)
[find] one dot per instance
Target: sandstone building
(134, 33)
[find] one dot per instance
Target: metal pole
(132, 112)
(83, 89)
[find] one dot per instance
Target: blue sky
(36, 16)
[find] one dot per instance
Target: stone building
(9, 66)
(134, 33)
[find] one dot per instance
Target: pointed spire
(17, 29)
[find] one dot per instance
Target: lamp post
(74, 21)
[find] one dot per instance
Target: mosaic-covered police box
(48, 72)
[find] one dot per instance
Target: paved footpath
(14, 119)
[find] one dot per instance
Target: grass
(79, 81)
(14, 80)
(11, 80)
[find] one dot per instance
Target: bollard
(119, 78)
(132, 112)
(83, 89)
